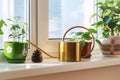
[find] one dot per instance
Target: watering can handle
(85, 29)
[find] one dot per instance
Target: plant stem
(112, 32)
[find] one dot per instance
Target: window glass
(64, 14)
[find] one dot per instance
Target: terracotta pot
(85, 51)
(111, 46)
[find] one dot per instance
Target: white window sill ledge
(50, 66)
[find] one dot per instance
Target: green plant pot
(15, 52)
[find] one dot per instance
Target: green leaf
(15, 26)
(117, 10)
(82, 44)
(98, 4)
(2, 23)
(23, 31)
(98, 41)
(112, 24)
(87, 36)
(19, 35)
(118, 4)
(104, 7)
(98, 24)
(78, 33)
(1, 32)
(109, 3)
(105, 33)
(106, 12)
(10, 35)
(107, 19)
(92, 30)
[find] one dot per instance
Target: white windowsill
(50, 66)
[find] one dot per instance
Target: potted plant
(85, 40)
(109, 21)
(15, 50)
(2, 23)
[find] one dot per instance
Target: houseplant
(15, 50)
(109, 21)
(2, 23)
(85, 40)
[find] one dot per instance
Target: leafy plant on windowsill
(108, 17)
(2, 23)
(82, 36)
(15, 50)
(109, 22)
(17, 30)
(86, 40)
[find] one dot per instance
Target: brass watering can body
(69, 51)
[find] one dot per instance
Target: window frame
(50, 46)
(33, 26)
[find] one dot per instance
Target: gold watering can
(69, 51)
